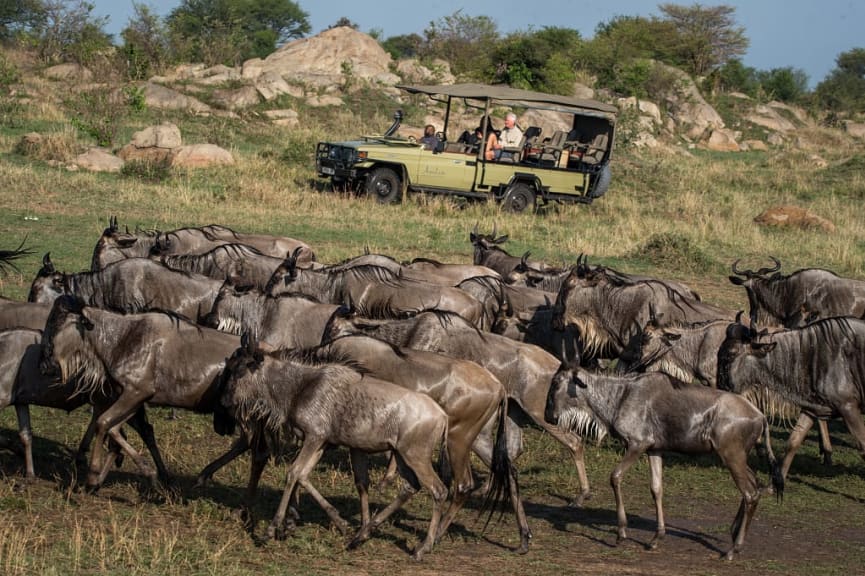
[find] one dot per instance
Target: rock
(722, 140)
(413, 72)
(687, 106)
(163, 98)
(755, 145)
(219, 74)
(855, 129)
(817, 161)
(646, 108)
(271, 85)
(793, 217)
(287, 118)
(329, 57)
(320, 101)
(200, 156)
(769, 117)
(775, 139)
(99, 160)
(582, 91)
(132, 153)
(70, 71)
(237, 98)
(165, 135)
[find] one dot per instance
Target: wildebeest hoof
(579, 500)
(524, 546)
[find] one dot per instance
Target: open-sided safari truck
(565, 166)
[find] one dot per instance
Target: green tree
(20, 16)
(466, 42)
(230, 31)
(70, 31)
(145, 43)
(403, 46)
(734, 76)
(843, 89)
(707, 36)
(785, 84)
(538, 60)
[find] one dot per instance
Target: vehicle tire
(601, 183)
(384, 185)
(519, 198)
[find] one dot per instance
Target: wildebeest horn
(763, 271)
(112, 223)
(737, 272)
(524, 259)
(495, 227)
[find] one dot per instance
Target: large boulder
(329, 57)
(200, 156)
(413, 72)
(98, 160)
(236, 98)
(769, 117)
(687, 106)
(271, 86)
(722, 140)
(152, 144)
(163, 98)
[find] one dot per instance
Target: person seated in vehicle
(429, 140)
(511, 137)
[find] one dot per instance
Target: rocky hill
(322, 69)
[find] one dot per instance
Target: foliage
(70, 31)
(18, 16)
(673, 250)
(344, 21)
(230, 31)
(145, 43)
(538, 60)
(707, 36)
(466, 42)
(844, 87)
(786, 84)
(403, 46)
(100, 113)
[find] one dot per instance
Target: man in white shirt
(511, 136)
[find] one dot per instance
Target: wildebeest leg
(114, 416)
(736, 460)
(257, 463)
(616, 482)
(483, 447)
(310, 454)
(328, 508)
(800, 430)
(575, 445)
(238, 447)
(25, 433)
(360, 471)
(656, 468)
(136, 456)
(140, 424)
(825, 441)
(852, 416)
(458, 456)
(390, 473)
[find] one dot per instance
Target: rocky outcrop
(687, 107)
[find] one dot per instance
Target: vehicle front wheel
(384, 185)
(519, 198)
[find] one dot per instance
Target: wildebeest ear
(127, 241)
(84, 321)
(736, 280)
(47, 265)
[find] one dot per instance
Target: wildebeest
(609, 310)
(153, 357)
(653, 413)
(525, 370)
(488, 252)
(373, 290)
(22, 384)
(799, 298)
(283, 321)
(14, 313)
(115, 245)
(333, 404)
(130, 285)
(820, 368)
(470, 396)
(239, 262)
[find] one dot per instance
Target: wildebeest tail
(501, 469)
(774, 465)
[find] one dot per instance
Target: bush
(673, 250)
(153, 171)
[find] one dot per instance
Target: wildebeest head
(48, 284)
(285, 273)
(485, 242)
(567, 406)
(65, 325)
(115, 245)
(751, 282)
(646, 348)
(740, 345)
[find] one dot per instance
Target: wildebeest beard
(88, 372)
(773, 405)
(582, 422)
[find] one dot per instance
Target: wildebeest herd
(424, 359)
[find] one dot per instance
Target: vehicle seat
(515, 154)
(552, 150)
(597, 149)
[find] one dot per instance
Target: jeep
(568, 166)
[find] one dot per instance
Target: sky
(805, 34)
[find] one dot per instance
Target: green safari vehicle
(566, 166)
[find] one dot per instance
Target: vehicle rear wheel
(519, 198)
(384, 185)
(602, 182)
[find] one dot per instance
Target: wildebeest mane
(317, 356)
(211, 230)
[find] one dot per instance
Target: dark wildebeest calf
(333, 404)
(653, 413)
